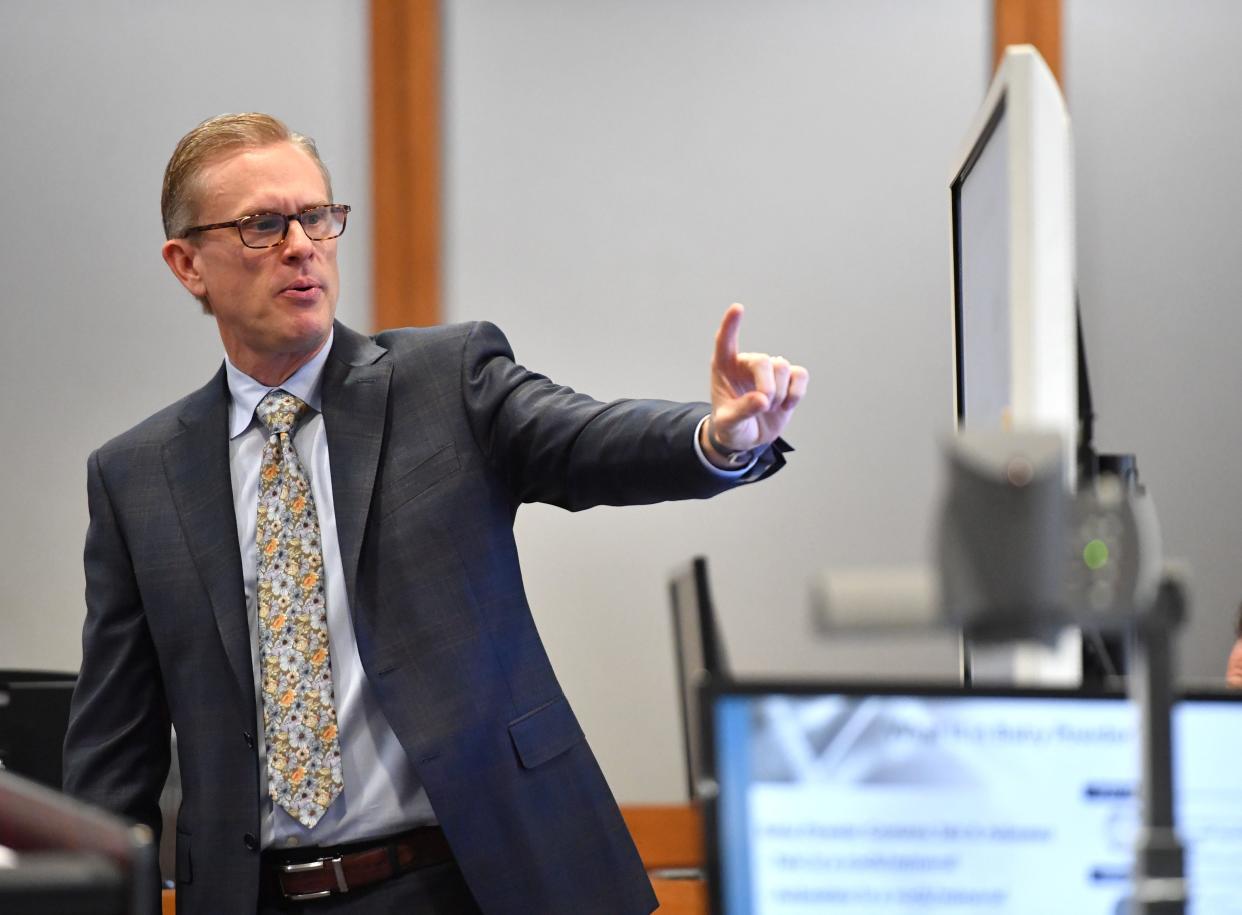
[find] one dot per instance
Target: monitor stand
(1026, 663)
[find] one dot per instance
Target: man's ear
(181, 256)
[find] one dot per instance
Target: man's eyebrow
(280, 211)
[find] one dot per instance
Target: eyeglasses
(267, 230)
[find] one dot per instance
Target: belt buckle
(338, 871)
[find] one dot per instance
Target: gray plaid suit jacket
(437, 436)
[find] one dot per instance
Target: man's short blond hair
(208, 141)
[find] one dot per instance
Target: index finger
(727, 335)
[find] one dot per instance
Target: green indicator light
(1095, 554)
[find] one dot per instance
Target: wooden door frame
(406, 161)
(1035, 22)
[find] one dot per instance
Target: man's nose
(297, 245)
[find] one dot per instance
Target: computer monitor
(700, 654)
(858, 799)
(34, 714)
(1012, 203)
(1015, 343)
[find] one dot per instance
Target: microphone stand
(1159, 859)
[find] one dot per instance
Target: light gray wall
(1154, 92)
(618, 173)
(97, 333)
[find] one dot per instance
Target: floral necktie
(299, 716)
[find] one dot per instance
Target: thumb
(742, 408)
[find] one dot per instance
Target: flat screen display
(854, 802)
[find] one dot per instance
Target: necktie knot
(279, 411)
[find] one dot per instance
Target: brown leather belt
(360, 866)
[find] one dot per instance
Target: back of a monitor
(700, 655)
(34, 713)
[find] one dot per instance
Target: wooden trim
(681, 897)
(667, 835)
(1036, 22)
(405, 161)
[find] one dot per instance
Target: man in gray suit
(308, 568)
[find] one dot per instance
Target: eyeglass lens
(268, 229)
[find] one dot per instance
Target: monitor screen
(857, 800)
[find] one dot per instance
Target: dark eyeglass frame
(237, 224)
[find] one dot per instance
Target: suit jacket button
(249, 739)
(250, 841)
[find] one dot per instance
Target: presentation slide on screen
(888, 804)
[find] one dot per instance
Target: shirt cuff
(725, 474)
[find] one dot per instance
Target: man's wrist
(720, 454)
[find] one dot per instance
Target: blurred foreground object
(62, 857)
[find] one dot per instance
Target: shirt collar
(246, 393)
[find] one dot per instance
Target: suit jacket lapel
(355, 404)
(196, 463)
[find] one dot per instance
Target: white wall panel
(618, 173)
(97, 334)
(1154, 92)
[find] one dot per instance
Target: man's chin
(308, 341)
(308, 329)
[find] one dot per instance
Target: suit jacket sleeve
(117, 745)
(558, 446)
